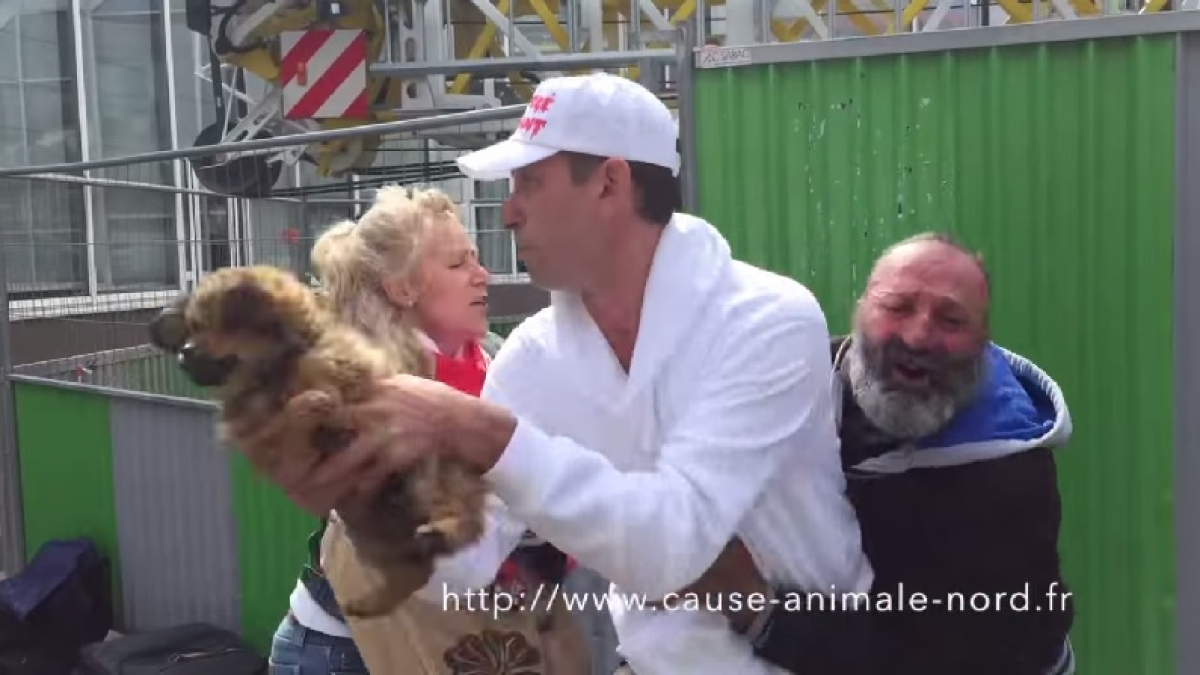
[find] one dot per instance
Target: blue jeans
(296, 650)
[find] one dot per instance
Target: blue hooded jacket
(1019, 408)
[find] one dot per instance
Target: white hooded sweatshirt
(724, 425)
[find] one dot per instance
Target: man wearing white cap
(671, 399)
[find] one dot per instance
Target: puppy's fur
(283, 367)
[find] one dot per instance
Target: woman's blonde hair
(353, 259)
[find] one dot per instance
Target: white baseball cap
(597, 114)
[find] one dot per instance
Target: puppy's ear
(245, 306)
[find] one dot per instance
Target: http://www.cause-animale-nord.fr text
(498, 602)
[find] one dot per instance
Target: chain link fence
(90, 255)
(102, 436)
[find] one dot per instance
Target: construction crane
(324, 61)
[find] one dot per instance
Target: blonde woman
(407, 263)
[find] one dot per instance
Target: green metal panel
(160, 374)
(272, 540)
(1055, 161)
(66, 460)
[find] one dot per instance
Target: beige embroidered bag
(419, 638)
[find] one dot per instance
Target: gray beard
(900, 414)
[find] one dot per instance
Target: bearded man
(947, 443)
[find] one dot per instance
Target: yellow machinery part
(483, 41)
(473, 33)
(475, 38)
(264, 62)
(1021, 11)
(860, 17)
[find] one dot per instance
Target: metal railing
(93, 249)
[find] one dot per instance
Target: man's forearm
(481, 433)
(750, 618)
(818, 641)
(734, 574)
(486, 431)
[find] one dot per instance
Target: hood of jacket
(1019, 408)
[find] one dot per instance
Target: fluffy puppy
(282, 368)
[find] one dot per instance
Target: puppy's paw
(446, 535)
(430, 543)
(311, 405)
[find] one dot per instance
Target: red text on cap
(538, 105)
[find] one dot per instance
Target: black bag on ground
(60, 602)
(190, 649)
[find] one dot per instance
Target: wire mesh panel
(89, 256)
(93, 251)
(12, 534)
(97, 238)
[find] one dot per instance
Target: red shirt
(466, 373)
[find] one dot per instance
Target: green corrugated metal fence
(66, 470)
(272, 540)
(67, 475)
(192, 533)
(1055, 161)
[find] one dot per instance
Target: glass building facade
(90, 79)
